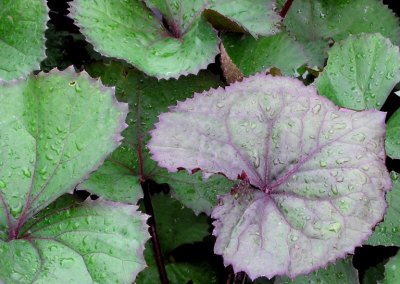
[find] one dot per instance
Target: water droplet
(27, 173)
(2, 184)
(316, 109)
(334, 189)
(335, 227)
(220, 105)
(342, 161)
(322, 164)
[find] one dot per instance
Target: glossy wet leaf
(23, 23)
(317, 172)
(74, 242)
(318, 23)
(392, 270)
(147, 98)
(361, 72)
(258, 55)
(340, 272)
(131, 31)
(387, 233)
(392, 143)
(55, 129)
(196, 193)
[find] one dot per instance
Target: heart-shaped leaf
(23, 23)
(316, 23)
(316, 175)
(74, 242)
(361, 72)
(137, 34)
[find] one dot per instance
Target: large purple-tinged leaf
(316, 176)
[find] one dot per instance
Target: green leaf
(361, 72)
(194, 192)
(374, 274)
(340, 272)
(387, 233)
(392, 142)
(392, 270)
(23, 23)
(147, 98)
(178, 272)
(177, 225)
(316, 23)
(251, 55)
(74, 242)
(131, 31)
(55, 129)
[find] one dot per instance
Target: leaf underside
(23, 23)
(136, 33)
(317, 172)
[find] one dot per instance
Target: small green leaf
(392, 143)
(74, 242)
(338, 273)
(392, 270)
(55, 129)
(257, 55)
(361, 72)
(23, 23)
(177, 225)
(194, 192)
(131, 31)
(319, 22)
(387, 233)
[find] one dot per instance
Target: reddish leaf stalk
(286, 8)
(154, 236)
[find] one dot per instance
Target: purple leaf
(316, 173)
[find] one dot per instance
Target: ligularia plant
(199, 141)
(313, 174)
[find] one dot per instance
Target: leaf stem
(286, 8)
(153, 232)
(240, 278)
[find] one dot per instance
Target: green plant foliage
(338, 273)
(196, 193)
(392, 270)
(22, 23)
(387, 233)
(392, 143)
(318, 23)
(55, 129)
(361, 72)
(118, 179)
(176, 224)
(74, 242)
(178, 272)
(131, 31)
(258, 55)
